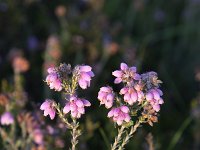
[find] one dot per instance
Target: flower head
(106, 96)
(154, 97)
(131, 95)
(38, 136)
(120, 114)
(126, 74)
(48, 108)
(7, 118)
(53, 79)
(76, 106)
(85, 74)
(20, 64)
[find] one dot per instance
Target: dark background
(157, 35)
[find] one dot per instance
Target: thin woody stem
(75, 134)
(129, 135)
(62, 116)
(118, 138)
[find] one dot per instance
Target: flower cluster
(76, 106)
(120, 114)
(7, 118)
(53, 79)
(132, 95)
(154, 98)
(106, 96)
(138, 91)
(48, 108)
(85, 75)
(64, 78)
(126, 74)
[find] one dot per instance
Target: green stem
(118, 138)
(129, 135)
(62, 116)
(75, 134)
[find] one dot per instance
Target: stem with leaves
(129, 135)
(118, 138)
(62, 116)
(75, 134)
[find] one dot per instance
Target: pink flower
(85, 74)
(126, 74)
(76, 106)
(38, 136)
(53, 80)
(131, 95)
(120, 114)
(154, 97)
(7, 118)
(106, 96)
(48, 108)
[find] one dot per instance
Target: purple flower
(7, 118)
(106, 96)
(131, 95)
(53, 80)
(76, 106)
(120, 114)
(38, 136)
(85, 74)
(154, 97)
(48, 108)
(126, 74)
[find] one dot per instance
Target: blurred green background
(157, 35)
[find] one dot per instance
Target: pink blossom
(48, 108)
(85, 74)
(120, 114)
(76, 106)
(51, 70)
(7, 118)
(131, 95)
(38, 136)
(106, 96)
(53, 80)
(154, 97)
(126, 74)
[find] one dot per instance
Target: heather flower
(131, 95)
(150, 79)
(154, 97)
(149, 114)
(38, 136)
(60, 11)
(120, 114)
(106, 96)
(48, 108)
(20, 64)
(7, 118)
(85, 74)
(126, 74)
(53, 80)
(76, 106)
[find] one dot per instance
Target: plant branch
(118, 138)
(129, 135)
(62, 116)
(75, 134)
